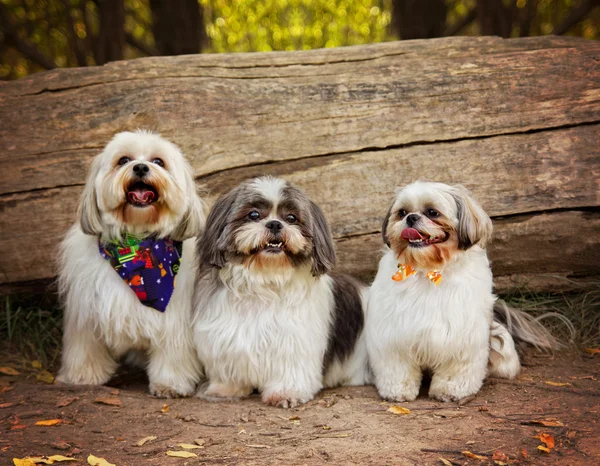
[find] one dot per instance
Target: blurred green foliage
(52, 27)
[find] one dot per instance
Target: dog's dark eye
(123, 160)
(291, 218)
(402, 213)
(158, 162)
(432, 213)
(254, 215)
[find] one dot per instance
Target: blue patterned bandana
(147, 265)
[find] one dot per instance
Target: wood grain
(517, 121)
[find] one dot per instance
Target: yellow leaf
(189, 446)
(445, 461)
(59, 458)
(547, 439)
(23, 462)
(9, 371)
(46, 377)
(49, 422)
(543, 448)
(33, 460)
(398, 410)
(557, 384)
(547, 422)
(95, 461)
(182, 454)
(592, 350)
(141, 443)
(469, 454)
(165, 409)
(36, 364)
(108, 401)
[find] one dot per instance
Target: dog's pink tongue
(410, 234)
(140, 196)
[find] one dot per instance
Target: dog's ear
(192, 223)
(88, 211)
(210, 244)
(323, 249)
(474, 225)
(384, 226)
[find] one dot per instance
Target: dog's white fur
(104, 319)
(267, 327)
(414, 325)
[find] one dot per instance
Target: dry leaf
(445, 461)
(557, 384)
(500, 463)
(259, 446)
(66, 402)
(592, 350)
(9, 371)
(182, 454)
(23, 462)
(469, 454)
(547, 422)
(524, 453)
(95, 461)
(189, 446)
(200, 441)
(109, 401)
(145, 440)
(49, 422)
(36, 364)
(398, 410)
(543, 448)
(45, 376)
(499, 456)
(294, 418)
(33, 460)
(547, 439)
(6, 405)
(165, 409)
(60, 458)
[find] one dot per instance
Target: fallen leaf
(45, 376)
(398, 410)
(9, 371)
(60, 458)
(587, 377)
(6, 405)
(5, 389)
(524, 453)
(587, 350)
(145, 440)
(547, 439)
(499, 456)
(445, 461)
(469, 454)
(189, 446)
(49, 422)
(182, 454)
(36, 364)
(546, 422)
(200, 441)
(543, 448)
(500, 463)
(165, 409)
(33, 460)
(60, 445)
(95, 461)
(23, 462)
(258, 446)
(109, 401)
(294, 418)
(557, 384)
(66, 402)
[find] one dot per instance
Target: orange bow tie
(406, 270)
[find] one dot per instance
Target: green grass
(29, 333)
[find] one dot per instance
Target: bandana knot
(406, 270)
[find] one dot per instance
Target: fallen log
(517, 121)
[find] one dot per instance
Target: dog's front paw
(283, 400)
(215, 391)
(445, 397)
(399, 392)
(165, 391)
(452, 390)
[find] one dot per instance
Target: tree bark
(177, 26)
(419, 19)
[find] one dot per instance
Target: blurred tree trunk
(110, 41)
(419, 19)
(494, 18)
(177, 26)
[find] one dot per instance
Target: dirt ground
(342, 426)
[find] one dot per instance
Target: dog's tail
(512, 325)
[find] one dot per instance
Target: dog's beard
(153, 204)
(261, 249)
(432, 251)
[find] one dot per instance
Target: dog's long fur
(414, 325)
(273, 318)
(104, 319)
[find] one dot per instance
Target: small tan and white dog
(431, 306)
(125, 267)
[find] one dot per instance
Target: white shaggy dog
(118, 265)
(268, 315)
(431, 305)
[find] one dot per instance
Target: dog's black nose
(274, 226)
(412, 219)
(140, 169)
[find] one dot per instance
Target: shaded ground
(341, 426)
